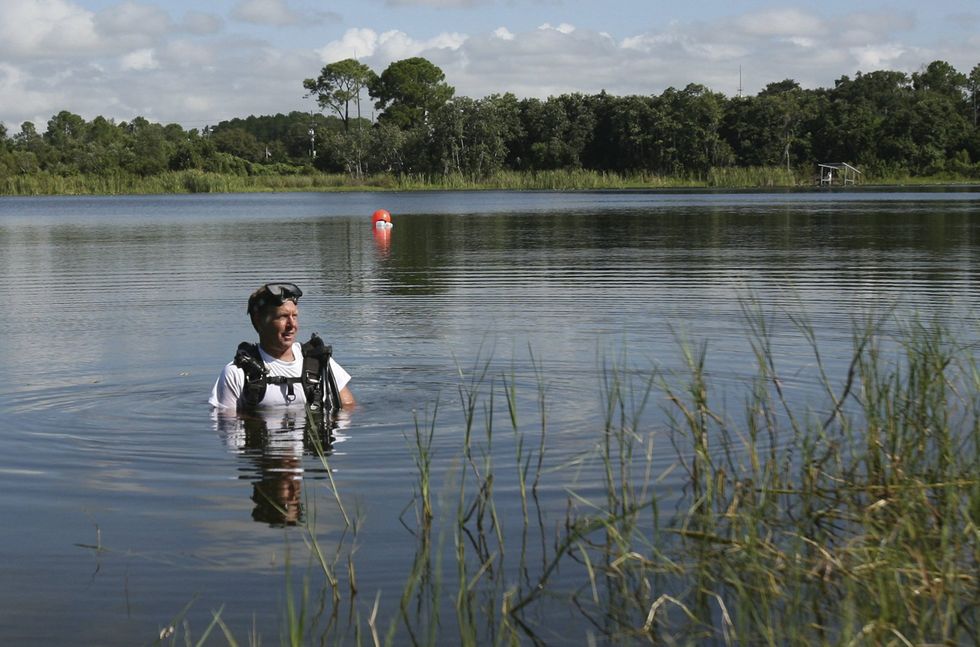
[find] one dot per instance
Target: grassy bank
(853, 522)
(564, 180)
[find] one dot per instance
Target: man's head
(272, 309)
(273, 294)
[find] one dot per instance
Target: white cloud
(140, 60)
(876, 57)
(396, 45)
(802, 42)
(386, 47)
(45, 28)
(563, 28)
(188, 53)
(877, 22)
(196, 69)
(266, 12)
(130, 18)
(355, 43)
(15, 90)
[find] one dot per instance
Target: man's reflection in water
(274, 444)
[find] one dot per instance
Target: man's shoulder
(230, 370)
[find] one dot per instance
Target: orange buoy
(381, 219)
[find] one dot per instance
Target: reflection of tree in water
(275, 445)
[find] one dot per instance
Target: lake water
(124, 501)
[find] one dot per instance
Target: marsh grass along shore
(193, 181)
(860, 526)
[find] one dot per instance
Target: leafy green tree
(106, 149)
(27, 136)
(862, 121)
(940, 77)
(938, 130)
(776, 126)
(696, 141)
(410, 90)
(599, 154)
(240, 143)
(64, 129)
(185, 156)
(64, 136)
(339, 85)
(559, 131)
(344, 151)
(781, 105)
(387, 149)
(151, 152)
(7, 163)
(580, 130)
(544, 124)
(973, 85)
(629, 136)
(30, 148)
(472, 137)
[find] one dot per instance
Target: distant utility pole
(312, 137)
(739, 81)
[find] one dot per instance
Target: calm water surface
(124, 499)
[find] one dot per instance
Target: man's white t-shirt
(228, 387)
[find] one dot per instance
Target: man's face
(277, 327)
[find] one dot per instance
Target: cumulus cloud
(133, 18)
(140, 60)
(198, 68)
(563, 28)
(744, 53)
(728, 55)
(188, 53)
(876, 57)
(355, 43)
(16, 89)
(385, 47)
(45, 28)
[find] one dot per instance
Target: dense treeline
(888, 123)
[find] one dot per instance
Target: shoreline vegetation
(853, 522)
(194, 181)
(889, 128)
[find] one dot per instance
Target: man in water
(274, 313)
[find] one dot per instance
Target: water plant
(849, 520)
(198, 181)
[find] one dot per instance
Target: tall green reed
(848, 519)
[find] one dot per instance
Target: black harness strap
(256, 378)
(316, 372)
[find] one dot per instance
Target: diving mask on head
(273, 294)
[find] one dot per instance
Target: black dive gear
(273, 294)
(316, 374)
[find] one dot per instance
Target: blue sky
(197, 63)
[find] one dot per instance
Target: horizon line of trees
(884, 122)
